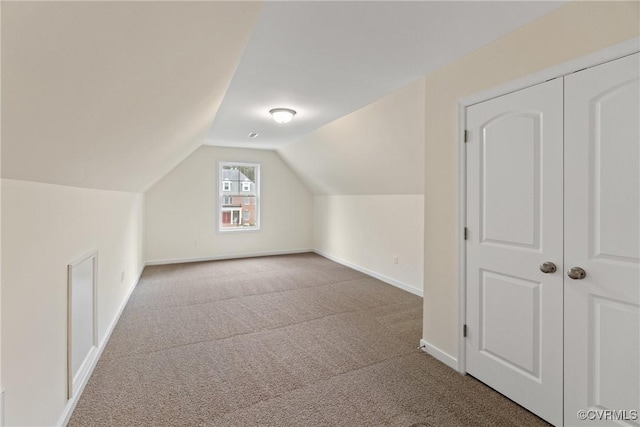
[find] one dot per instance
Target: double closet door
(553, 246)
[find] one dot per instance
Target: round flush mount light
(282, 115)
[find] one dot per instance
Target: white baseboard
(223, 257)
(2, 408)
(71, 403)
(372, 273)
(434, 351)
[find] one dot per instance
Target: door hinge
(466, 136)
(466, 233)
(464, 330)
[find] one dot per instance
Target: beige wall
(181, 218)
(574, 30)
(44, 228)
(366, 171)
(368, 231)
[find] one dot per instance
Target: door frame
(608, 54)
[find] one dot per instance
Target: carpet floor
(294, 340)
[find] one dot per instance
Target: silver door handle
(548, 267)
(577, 273)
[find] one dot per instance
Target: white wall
(368, 231)
(181, 217)
(44, 228)
(573, 30)
(367, 174)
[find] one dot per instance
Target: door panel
(510, 181)
(608, 317)
(611, 119)
(505, 297)
(602, 235)
(514, 216)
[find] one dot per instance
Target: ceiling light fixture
(282, 115)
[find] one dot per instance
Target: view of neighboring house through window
(238, 196)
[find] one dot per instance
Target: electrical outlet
(122, 277)
(395, 259)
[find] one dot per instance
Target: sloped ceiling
(327, 59)
(378, 149)
(112, 95)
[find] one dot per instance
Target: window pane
(239, 203)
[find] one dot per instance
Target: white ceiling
(327, 59)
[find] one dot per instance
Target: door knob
(548, 267)
(577, 273)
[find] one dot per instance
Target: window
(239, 180)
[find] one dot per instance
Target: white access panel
(82, 320)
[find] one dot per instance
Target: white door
(602, 236)
(514, 220)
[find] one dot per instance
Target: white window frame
(225, 193)
(246, 186)
(226, 185)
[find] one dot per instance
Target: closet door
(602, 237)
(514, 217)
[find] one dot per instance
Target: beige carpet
(294, 340)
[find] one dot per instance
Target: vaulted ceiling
(113, 95)
(326, 59)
